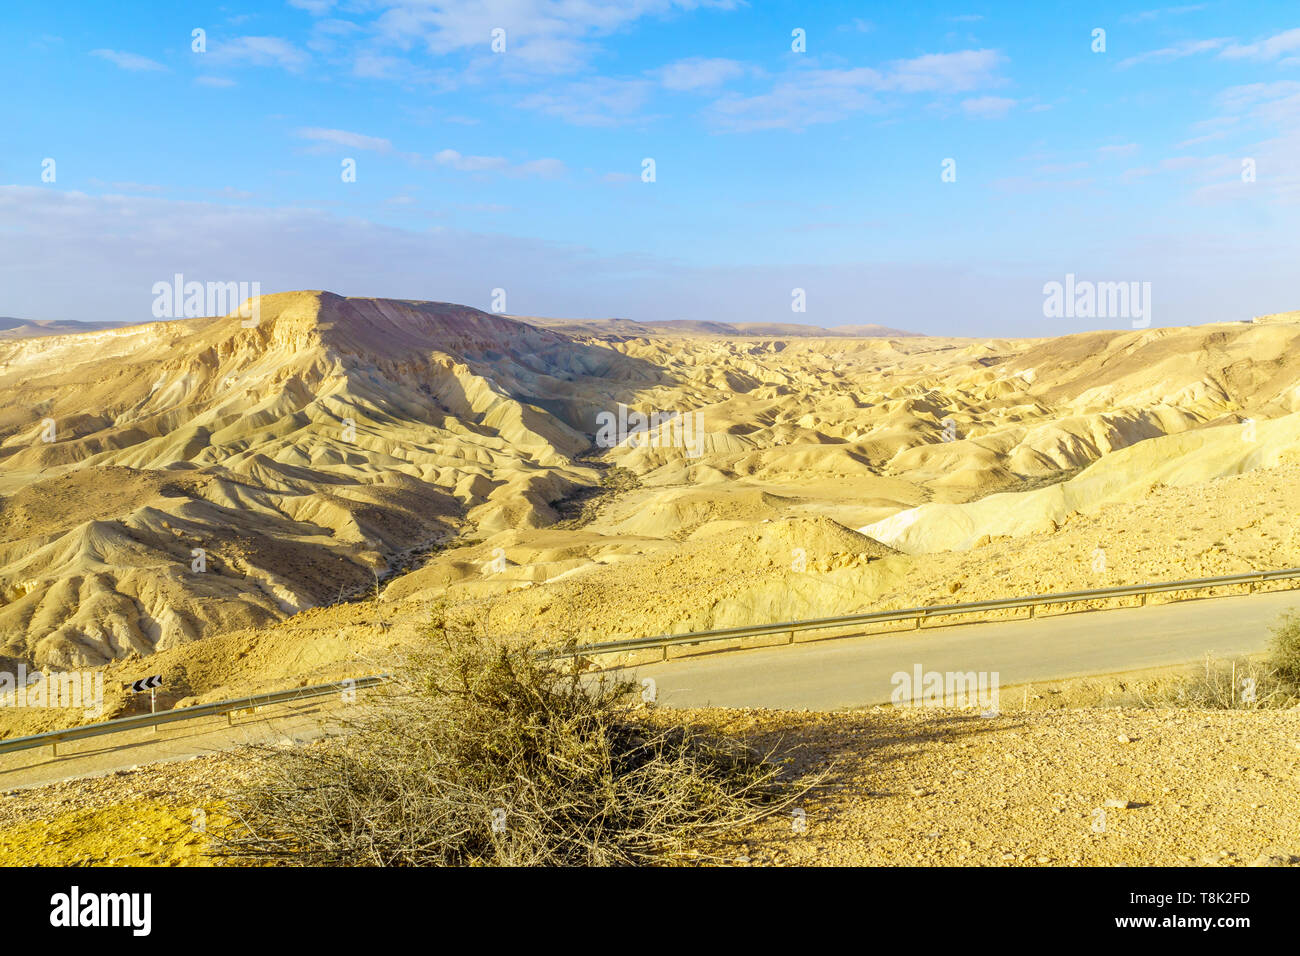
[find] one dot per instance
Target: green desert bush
(485, 754)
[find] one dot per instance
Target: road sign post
(150, 684)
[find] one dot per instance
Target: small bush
(487, 755)
(1284, 649)
(1234, 684)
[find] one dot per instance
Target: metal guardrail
(920, 614)
(53, 738)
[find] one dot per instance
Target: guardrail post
(1142, 600)
(791, 641)
(1031, 610)
(54, 749)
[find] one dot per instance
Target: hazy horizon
(927, 169)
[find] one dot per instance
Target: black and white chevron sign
(146, 683)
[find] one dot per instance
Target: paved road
(856, 672)
(823, 675)
(96, 756)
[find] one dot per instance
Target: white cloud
(1176, 52)
(600, 101)
(1198, 140)
(944, 72)
(540, 168)
(1270, 49)
(470, 164)
(805, 97)
(1148, 15)
(341, 137)
(988, 107)
(259, 51)
(1239, 99)
(798, 100)
(541, 35)
(698, 73)
(129, 61)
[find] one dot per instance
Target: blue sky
(774, 169)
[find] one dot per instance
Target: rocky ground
(159, 815)
(900, 787)
(922, 787)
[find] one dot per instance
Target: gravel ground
(902, 787)
(158, 815)
(950, 788)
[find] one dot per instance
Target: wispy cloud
(129, 61)
(259, 51)
(540, 168)
(540, 36)
(1176, 52)
(341, 137)
(809, 96)
(1272, 48)
(1239, 99)
(1148, 15)
(698, 73)
(988, 107)
(600, 101)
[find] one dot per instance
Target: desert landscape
(348, 464)
(342, 441)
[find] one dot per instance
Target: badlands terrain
(250, 507)
(304, 488)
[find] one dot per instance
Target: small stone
(1119, 804)
(1124, 739)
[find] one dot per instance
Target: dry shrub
(1239, 683)
(1284, 649)
(1233, 684)
(485, 754)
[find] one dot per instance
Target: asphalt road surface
(858, 671)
